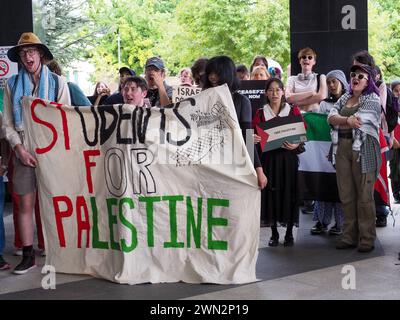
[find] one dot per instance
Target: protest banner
(137, 195)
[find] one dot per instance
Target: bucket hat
(28, 39)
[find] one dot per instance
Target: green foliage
(181, 31)
(138, 25)
(238, 28)
(384, 37)
(64, 28)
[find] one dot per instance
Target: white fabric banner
(137, 195)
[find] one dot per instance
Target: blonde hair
(189, 71)
(253, 73)
(307, 51)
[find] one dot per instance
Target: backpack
(391, 115)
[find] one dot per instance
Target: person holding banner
(221, 70)
(198, 71)
(116, 97)
(357, 155)
(134, 91)
(34, 79)
(280, 205)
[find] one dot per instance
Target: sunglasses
(307, 57)
(359, 76)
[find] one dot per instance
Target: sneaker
(335, 231)
(42, 252)
(18, 252)
(318, 228)
(381, 222)
(4, 265)
(27, 263)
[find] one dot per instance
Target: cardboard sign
(180, 93)
(281, 129)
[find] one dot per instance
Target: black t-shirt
(154, 96)
(115, 98)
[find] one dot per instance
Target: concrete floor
(312, 269)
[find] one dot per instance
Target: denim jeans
(2, 234)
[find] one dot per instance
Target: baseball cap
(126, 69)
(156, 62)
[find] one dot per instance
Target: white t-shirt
(297, 85)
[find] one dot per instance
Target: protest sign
(180, 93)
(137, 195)
(281, 129)
(255, 91)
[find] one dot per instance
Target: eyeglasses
(307, 57)
(30, 52)
(358, 75)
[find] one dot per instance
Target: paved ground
(312, 269)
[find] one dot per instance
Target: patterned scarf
(369, 112)
(21, 86)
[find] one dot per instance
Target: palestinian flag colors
(381, 192)
(276, 131)
(317, 176)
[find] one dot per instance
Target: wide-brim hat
(28, 39)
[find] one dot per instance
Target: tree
(138, 25)
(64, 28)
(384, 37)
(237, 28)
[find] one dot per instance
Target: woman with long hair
(100, 94)
(280, 205)
(221, 70)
